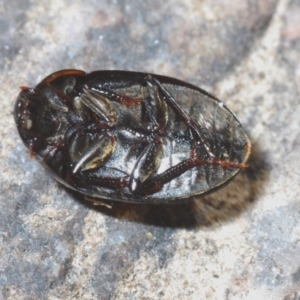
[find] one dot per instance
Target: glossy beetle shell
(130, 136)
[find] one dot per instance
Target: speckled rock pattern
(241, 242)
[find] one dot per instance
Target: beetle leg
(190, 123)
(100, 105)
(116, 97)
(104, 177)
(88, 155)
(146, 166)
(156, 183)
(156, 108)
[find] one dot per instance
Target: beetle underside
(131, 136)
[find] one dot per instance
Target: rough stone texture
(242, 242)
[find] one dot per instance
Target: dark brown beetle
(129, 136)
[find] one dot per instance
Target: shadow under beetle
(130, 136)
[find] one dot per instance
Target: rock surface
(242, 242)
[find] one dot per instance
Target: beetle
(131, 136)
